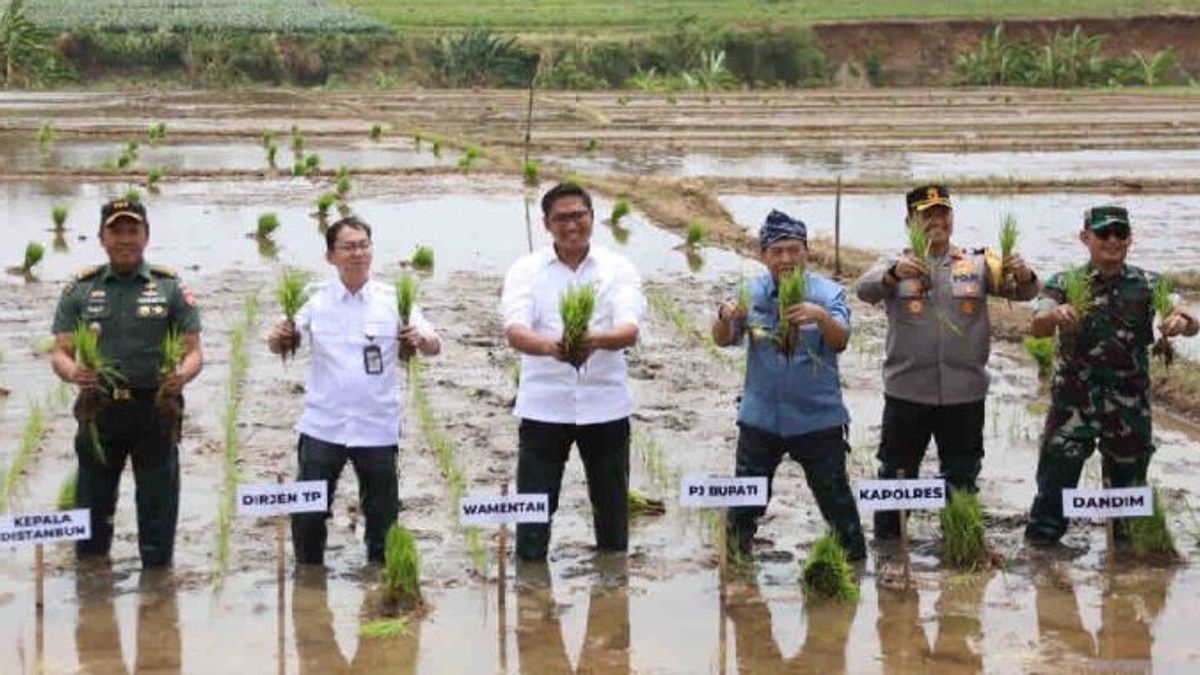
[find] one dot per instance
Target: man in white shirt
(559, 405)
(351, 403)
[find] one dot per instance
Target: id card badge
(373, 359)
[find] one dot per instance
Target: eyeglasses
(364, 246)
(1106, 233)
(568, 216)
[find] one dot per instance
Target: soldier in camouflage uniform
(792, 404)
(131, 305)
(1101, 392)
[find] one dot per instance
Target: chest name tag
(373, 359)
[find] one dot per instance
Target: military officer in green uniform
(131, 305)
(1101, 392)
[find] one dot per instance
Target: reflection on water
(317, 648)
(540, 644)
(904, 644)
(98, 634)
(827, 629)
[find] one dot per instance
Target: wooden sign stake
(904, 536)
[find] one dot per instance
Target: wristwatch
(891, 271)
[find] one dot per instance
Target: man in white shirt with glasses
(351, 402)
(557, 404)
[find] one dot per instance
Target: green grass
(964, 545)
(239, 366)
(283, 16)
(827, 573)
(31, 438)
(401, 573)
(1151, 535)
(556, 17)
(422, 258)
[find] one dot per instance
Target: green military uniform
(132, 315)
(1100, 394)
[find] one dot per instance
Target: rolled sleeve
(838, 308)
(870, 286)
(186, 315)
(629, 304)
(1052, 295)
(424, 327)
(516, 300)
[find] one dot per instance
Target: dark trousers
(604, 448)
(130, 429)
(907, 428)
(822, 455)
(1058, 470)
(378, 493)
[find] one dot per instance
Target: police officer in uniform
(131, 305)
(1101, 392)
(938, 341)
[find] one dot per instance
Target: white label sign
(499, 510)
(279, 499)
(1112, 503)
(43, 528)
(916, 494)
(711, 491)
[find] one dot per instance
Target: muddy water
(201, 227)
(1079, 164)
(20, 153)
(660, 611)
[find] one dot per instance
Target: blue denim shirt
(792, 396)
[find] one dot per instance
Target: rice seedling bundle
(59, 215)
(1041, 350)
(376, 132)
(1151, 535)
(91, 401)
(272, 153)
(792, 289)
(619, 211)
(827, 573)
(1008, 244)
(437, 149)
(268, 138)
(401, 573)
(343, 186)
(641, 505)
(696, 232)
(45, 135)
(532, 172)
(422, 258)
(406, 299)
(67, 492)
(173, 349)
(385, 628)
(157, 132)
(153, 177)
(324, 203)
(1164, 305)
(575, 308)
(34, 252)
(133, 195)
(1077, 287)
(267, 224)
(962, 528)
(292, 293)
(312, 162)
(300, 169)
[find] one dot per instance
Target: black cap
(116, 209)
(926, 196)
(1108, 215)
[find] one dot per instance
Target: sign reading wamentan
(1111, 503)
(44, 528)
(490, 510)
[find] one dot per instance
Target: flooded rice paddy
(661, 609)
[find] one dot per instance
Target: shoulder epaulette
(88, 272)
(164, 271)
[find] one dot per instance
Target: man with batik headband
(1101, 392)
(792, 401)
(938, 341)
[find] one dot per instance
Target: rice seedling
(401, 573)
(312, 162)
(34, 252)
(58, 214)
(1164, 305)
(417, 138)
(300, 169)
(67, 492)
(962, 529)
(31, 438)
(376, 132)
(153, 177)
(593, 145)
(268, 138)
(343, 186)
(45, 135)
(297, 141)
(384, 628)
(1008, 244)
(918, 242)
(641, 505)
(792, 290)
(131, 149)
(575, 308)
(239, 364)
(267, 224)
(124, 161)
(133, 195)
(86, 342)
(272, 153)
(172, 351)
(324, 203)
(406, 299)
(620, 210)
(827, 573)
(665, 307)
(1077, 287)
(743, 294)
(157, 132)
(422, 258)
(696, 232)
(1151, 535)
(532, 171)
(1041, 350)
(291, 293)
(437, 149)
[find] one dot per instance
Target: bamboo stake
(502, 597)
(837, 230)
(39, 558)
(280, 601)
(904, 536)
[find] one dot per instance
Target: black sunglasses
(1121, 232)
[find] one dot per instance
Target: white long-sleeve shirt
(553, 391)
(343, 403)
